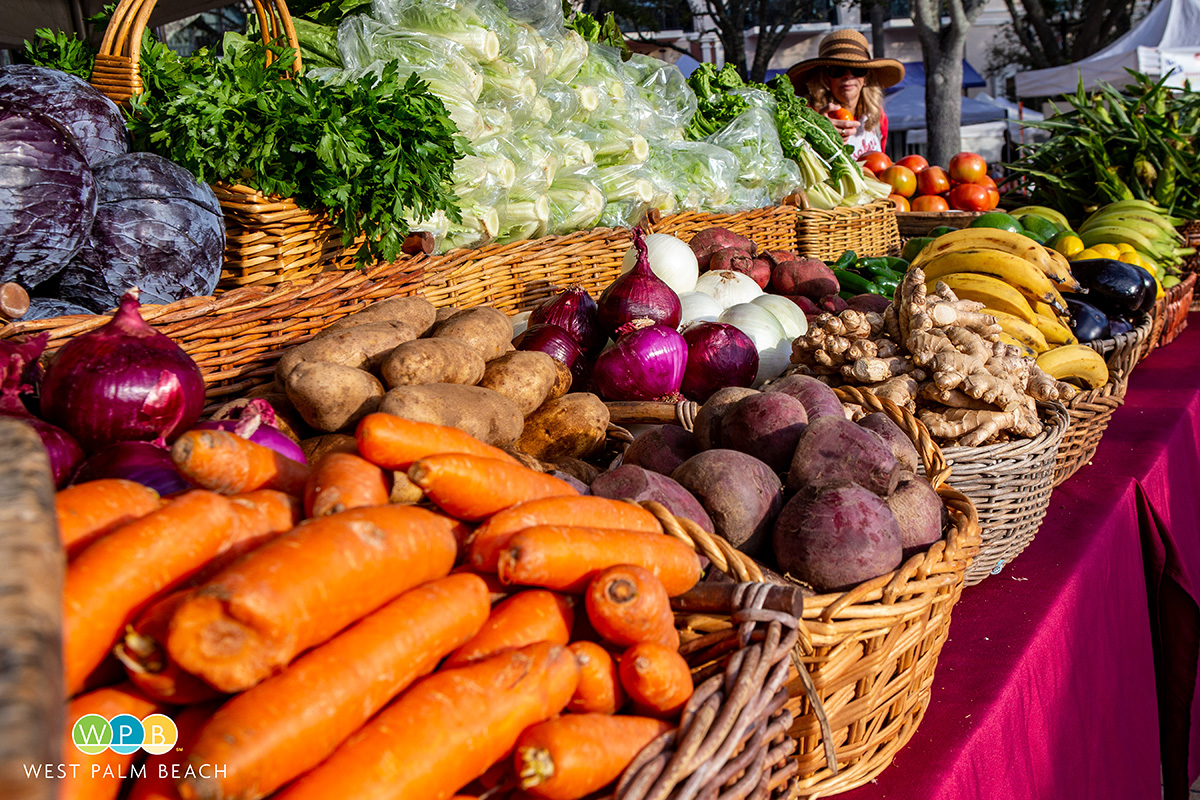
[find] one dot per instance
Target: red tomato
(993, 197)
(932, 180)
(901, 179)
(969, 197)
(914, 162)
(842, 113)
(930, 202)
(875, 161)
(967, 167)
(900, 201)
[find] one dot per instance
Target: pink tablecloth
(1064, 672)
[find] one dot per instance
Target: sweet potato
(896, 440)
(573, 425)
(760, 270)
(444, 360)
(807, 305)
(804, 276)
(707, 425)
(741, 494)
(636, 483)
(523, 376)
(332, 397)
(777, 257)
(832, 303)
(836, 449)
(488, 416)
(362, 347)
(415, 312)
(488, 330)
(710, 240)
(732, 258)
(836, 537)
(817, 398)
(765, 425)
(662, 449)
(919, 512)
(869, 303)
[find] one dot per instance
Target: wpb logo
(124, 734)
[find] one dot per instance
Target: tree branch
(1035, 13)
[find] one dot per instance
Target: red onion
(638, 294)
(558, 344)
(147, 463)
(575, 312)
(18, 361)
(256, 421)
(718, 355)
(123, 381)
(644, 364)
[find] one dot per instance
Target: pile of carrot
(505, 636)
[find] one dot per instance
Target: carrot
(446, 730)
(496, 590)
(656, 678)
(303, 587)
(259, 517)
(286, 725)
(565, 558)
(599, 689)
(144, 657)
(473, 487)
(395, 443)
(99, 776)
(626, 605)
(342, 480)
(162, 771)
(576, 754)
(87, 511)
(118, 575)
(596, 512)
(225, 462)
(527, 617)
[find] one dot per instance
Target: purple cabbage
(95, 121)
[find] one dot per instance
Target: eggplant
(1119, 326)
(1114, 287)
(1088, 323)
(1151, 291)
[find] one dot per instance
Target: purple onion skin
(144, 462)
(644, 364)
(256, 423)
(719, 355)
(638, 294)
(124, 381)
(575, 312)
(64, 452)
(558, 344)
(19, 371)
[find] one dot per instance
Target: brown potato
(318, 446)
(486, 329)
(523, 376)
(332, 397)
(361, 347)
(488, 416)
(443, 360)
(562, 381)
(571, 426)
(415, 312)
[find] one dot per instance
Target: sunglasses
(837, 72)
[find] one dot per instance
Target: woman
(845, 84)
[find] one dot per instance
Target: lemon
(1126, 247)
(1086, 253)
(1132, 258)
(1107, 251)
(1066, 243)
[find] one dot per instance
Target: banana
(1139, 225)
(1140, 205)
(1026, 350)
(992, 292)
(1142, 218)
(997, 239)
(1074, 362)
(1061, 275)
(1113, 234)
(1012, 269)
(1044, 212)
(1053, 330)
(1020, 330)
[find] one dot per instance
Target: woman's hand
(842, 118)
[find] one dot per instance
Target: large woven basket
(771, 228)
(920, 223)
(1191, 238)
(1174, 307)
(1010, 485)
(869, 230)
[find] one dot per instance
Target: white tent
(1166, 41)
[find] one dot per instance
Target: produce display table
(1047, 685)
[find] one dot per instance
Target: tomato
(900, 201)
(868, 172)
(932, 180)
(901, 179)
(930, 202)
(914, 162)
(967, 167)
(993, 197)
(969, 197)
(875, 161)
(842, 113)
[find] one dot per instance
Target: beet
(631, 482)
(920, 513)
(834, 449)
(741, 494)
(817, 398)
(868, 303)
(896, 440)
(832, 303)
(662, 449)
(707, 425)
(765, 425)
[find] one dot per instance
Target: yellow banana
(1026, 350)
(1020, 330)
(1055, 332)
(995, 239)
(1062, 279)
(992, 292)
(1012, 269)
(1114, 234)
(1044, 212)
(1149, 225)
(1075, 362)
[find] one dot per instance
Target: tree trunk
(942, 50)
(878, 34)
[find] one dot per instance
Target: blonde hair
(870, 99)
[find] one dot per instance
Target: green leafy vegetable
(593, 30)
(716, 105)
(62, 51)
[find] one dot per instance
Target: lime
(998, 219)
(1039, 225)
(941, 229)
(914, 246)
(1037, 237)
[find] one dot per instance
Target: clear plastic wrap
(482, 27)
(366, 45)
(701, 176)
(576, 202)
(753, 139)
(666, 101)
(614, 143)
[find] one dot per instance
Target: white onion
(794, 323)
(520, 321)
(698, 307)
(727, 287)
(670, 259)
(773, 345)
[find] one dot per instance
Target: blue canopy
(914, 75)
(906, 110)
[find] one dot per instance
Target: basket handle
(117, 69)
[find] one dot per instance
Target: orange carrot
(342, 480)
(595, 512)
(565, 558)
(656, 678)
(497, 591)
(599, 689)
(626, 605)
(574, 755)
(473, 487)
(446, 730)
(301, 588)
(527, 617)
(87, 511)
(162, 771)
(227, 463)
(259, 517)
(145, 659)
(118, 575)
(99, 776)
(395, 443)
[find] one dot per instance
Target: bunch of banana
(1075, 362)
(1143, 226)
(1045, 212)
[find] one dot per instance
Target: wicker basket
(1191, 238)
(771, 228)
(920, 223)
(1174, 306)
(868, 230)
(1010, 485)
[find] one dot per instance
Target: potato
(836, 537)
(896, 440)
(835, 449)
(404, 491)
(444, 313)
(662, 448)
(817, 398)
(486, 329)
(741, 494)
(573, 425)
(318, 446)
(765, 425)
(332, 397)
(581, 471)
(804, 276)
(562, 380)
(631, 482)
(432, 361)
(707, 425)
(920, 513)
(488, 416)
(415, 312)
(525, 377)
(362, 347)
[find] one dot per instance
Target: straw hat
(846, 48)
